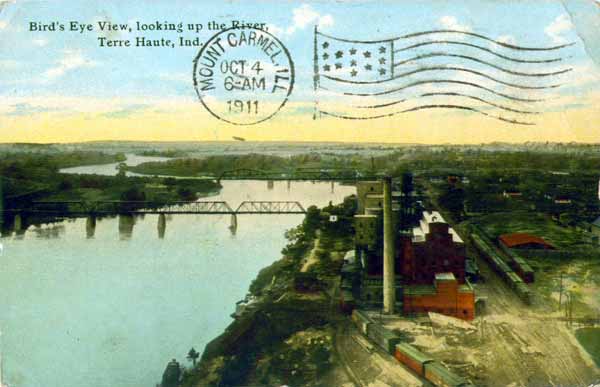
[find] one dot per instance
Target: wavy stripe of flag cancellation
(437, 69)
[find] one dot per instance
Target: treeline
(163, 153)
(215, 165)
(24, 172)
(478, 159)
(24, 165)
(27, 177)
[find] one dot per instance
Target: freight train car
(521, 267)
(384, 338)
(412, 358)
(523, 292)
(347, 302)
(440, 376)
(361, 320)
(490, 253)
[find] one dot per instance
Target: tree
(453, 200)
(407, 183)
(133, 194)
(193, 356)
(171, 375)
(312, 220)
(122, 170)
(186, 194)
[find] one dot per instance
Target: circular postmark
(243, 76)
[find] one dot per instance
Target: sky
(62, 87)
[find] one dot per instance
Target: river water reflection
(112, 310)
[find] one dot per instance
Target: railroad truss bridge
(126, 210)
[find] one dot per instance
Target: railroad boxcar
(383, 337)
(361, 320)
(523, 269)
(412, 357)
(513, 279)
(347, 302)
(519, 265)
(489, 253)
(440, 376)
(523, 292)
(346, 283)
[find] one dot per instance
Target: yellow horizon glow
(190, 122)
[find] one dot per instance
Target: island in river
(33, 176)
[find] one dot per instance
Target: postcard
(299, 193)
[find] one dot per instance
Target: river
(112, 310)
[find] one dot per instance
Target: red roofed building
(524, 241)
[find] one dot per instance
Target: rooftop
(375, 195)
(423, 228)
(519, 239)
(419, 290)
(365, 216)
(445, 277)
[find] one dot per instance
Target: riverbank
(286, 335)
(88, 177)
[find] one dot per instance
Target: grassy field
(590, 340)
(533, 223)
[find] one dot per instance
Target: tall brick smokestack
(389, 288)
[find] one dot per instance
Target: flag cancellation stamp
(243, 76)
(435, 69)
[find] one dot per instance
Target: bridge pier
(162, 225)
(18, 223)
(233, 225)
(289, 185)
(270, 184)
(332, 186)
(126, 222)
(90, 226)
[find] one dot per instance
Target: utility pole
(570, 309)
(560, 291)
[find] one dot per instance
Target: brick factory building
(432, 247)
(429, 258)
(445, 296)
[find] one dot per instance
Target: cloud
(113, 107)
(26, 109)
(302, 17)
(8, 64)
(451, 23)
(508, 39)
(175, 77)
(126, 111)
(40, 42)
(71, 60)
(558, 27)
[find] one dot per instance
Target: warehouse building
(429, 257)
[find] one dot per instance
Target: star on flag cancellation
(433, 70)
(355, 62)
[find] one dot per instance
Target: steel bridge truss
(270, 208)
(75, 208)
(300, 174)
